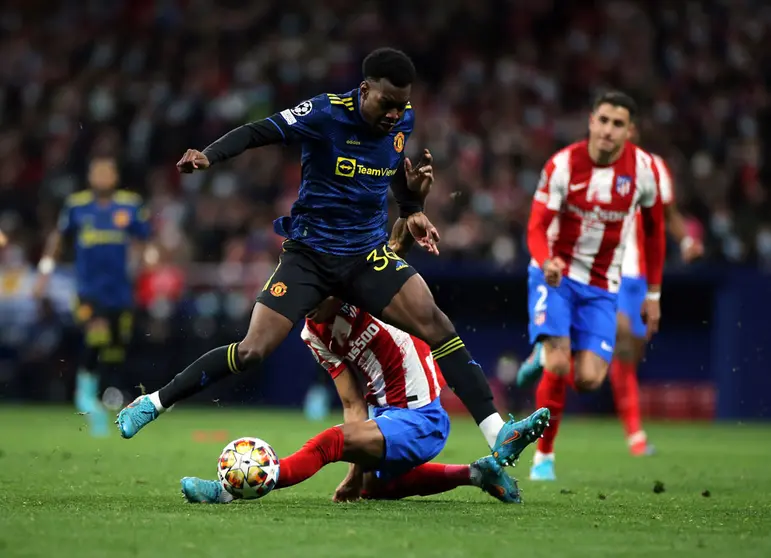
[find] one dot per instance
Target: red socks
(626, 392)
(327, 447)
(324, 448)
(427, 479)
(551, 393)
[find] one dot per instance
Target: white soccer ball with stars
(248, 468)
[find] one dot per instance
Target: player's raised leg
(292, 291)
(414, 310)
(267, 330)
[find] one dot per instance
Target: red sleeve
(655, 241)
(546, 202)
(537, 227)
(314, 336)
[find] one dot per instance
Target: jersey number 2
(540, 304)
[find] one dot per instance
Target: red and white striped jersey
(398, 369)
(634, 255)
(595, 208)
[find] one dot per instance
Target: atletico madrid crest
(623, 185)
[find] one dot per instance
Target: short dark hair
(390, 64)
(616, 99)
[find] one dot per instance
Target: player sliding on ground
(389, 454)
(352, 152)
(584, 206)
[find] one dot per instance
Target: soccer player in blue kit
(352, 152)
(103, 222)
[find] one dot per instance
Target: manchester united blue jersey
(347, 168)
(102, 234)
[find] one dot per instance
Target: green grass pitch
(65, 494)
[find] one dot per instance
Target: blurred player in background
(585, 204)
(631, 330)
(352, 152)
(3, 240)
(389, 454)
(102, 222)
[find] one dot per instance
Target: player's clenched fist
(552, 271)
(192, 160)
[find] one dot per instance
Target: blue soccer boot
(201, 491)
(134, 417)
(495, 481)
(515, 436)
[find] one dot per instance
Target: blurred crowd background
(503, 84)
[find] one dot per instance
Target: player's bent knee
(557, 362)
(363, 443)
(590, 376)
(588, 384)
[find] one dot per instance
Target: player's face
(609, 127)
(103, 176)
(326, 311)
(383, 104)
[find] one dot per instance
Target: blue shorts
(631, 296)
(584, 313)
(412, 436)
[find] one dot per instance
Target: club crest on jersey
(278, 289)
(623, 185)
(399, 142)
(348, 310)
(302, 109)
(121, 218)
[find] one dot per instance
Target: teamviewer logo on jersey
(345, 167)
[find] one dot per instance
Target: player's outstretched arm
(249, 136)
(305, 122)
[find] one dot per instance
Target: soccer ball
(248, 468)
